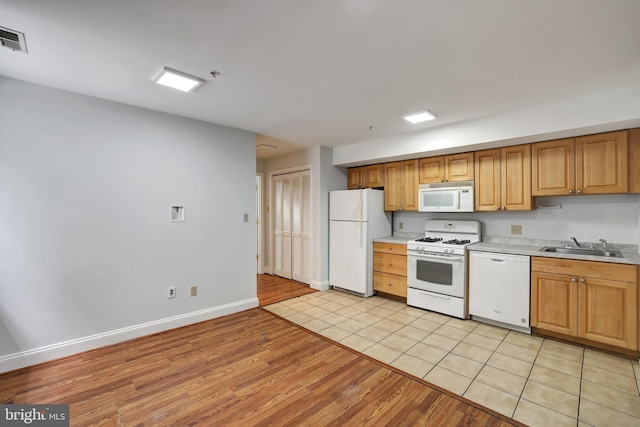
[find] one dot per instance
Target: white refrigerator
(357, 217)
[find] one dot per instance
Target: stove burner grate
(429, 239)
(457, 242)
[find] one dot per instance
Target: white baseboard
(321, 286)
(55, 351)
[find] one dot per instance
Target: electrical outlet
(401, 225)
(245, 217)
(194, 291)
(516, 229)
(171, 292)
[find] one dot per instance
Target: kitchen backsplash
(615, 218)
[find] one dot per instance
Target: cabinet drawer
(390, 248)
(390, 284)
(598, 270)
(390, 263)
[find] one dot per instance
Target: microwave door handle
(458, 197)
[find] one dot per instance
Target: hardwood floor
(250, 368)
(272, 289)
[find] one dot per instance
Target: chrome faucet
(576, 242)
(604, 244)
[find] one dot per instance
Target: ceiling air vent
(14, 40)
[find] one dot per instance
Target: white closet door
(282, 229)
(301, 251)
(292, 227)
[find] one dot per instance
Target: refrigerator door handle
(360, 207)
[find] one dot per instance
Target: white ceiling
(323, 72)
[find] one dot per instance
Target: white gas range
(437, 266)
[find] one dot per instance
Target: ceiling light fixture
(177, 80)
(420, 117)
(265, 147)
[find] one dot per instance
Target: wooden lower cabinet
(554, 303)
(608, 312)
(390, 268)
(594, 301)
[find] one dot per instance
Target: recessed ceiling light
(177, 80)
(420, 117)
(265, 147)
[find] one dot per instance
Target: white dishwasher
(499, 289)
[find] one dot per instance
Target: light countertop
(531, 247)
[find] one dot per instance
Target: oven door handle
(436, 256)
(431, 294)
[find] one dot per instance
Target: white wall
(86, 247)
(588, 218)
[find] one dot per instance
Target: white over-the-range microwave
(446, 197)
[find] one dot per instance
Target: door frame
(259, 227)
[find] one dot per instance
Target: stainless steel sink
(581, 251)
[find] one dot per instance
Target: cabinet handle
(573, 279)
(504, 208)
(583, 281)
(579, 191)
(570, 191)
(497, 208)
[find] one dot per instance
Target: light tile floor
(540, 382)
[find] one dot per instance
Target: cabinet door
(390, 248)
(410, 176)
(553, 168)
(390, 263)
(390, 284)
(375, 176)
(356, 178)
(393, 186)
(459, 167)
(554, 303)
(516, 178)
(432, 170)
(602, 163)
(487, 180)
(609, 312)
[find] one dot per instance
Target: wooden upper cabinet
(365, 177)
(452, 168)
(356, 178)
(401, 186)
(375, 176)
(553, 167)
(431, 170)
(503, 179)
(515, 174)
(487, 180)
(393, 186)
(593, 164)
(634, 160)
(410, 185)
(602, 163)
